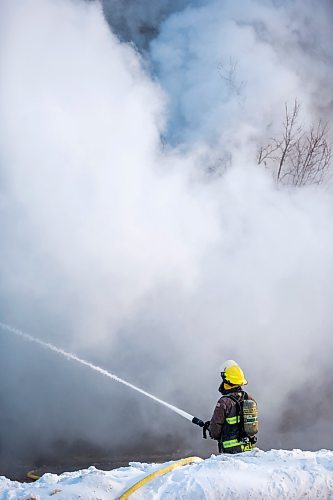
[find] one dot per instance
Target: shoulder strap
(230, 395)
(239, 405)
(237, 401)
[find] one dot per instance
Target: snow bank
(255, 474)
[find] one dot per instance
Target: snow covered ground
(256, 474)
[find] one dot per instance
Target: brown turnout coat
(225, 407)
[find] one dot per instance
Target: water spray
(98, 369)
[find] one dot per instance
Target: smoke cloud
(138, 231)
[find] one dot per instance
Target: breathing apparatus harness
(245, 428)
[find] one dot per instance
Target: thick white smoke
(93, 188)
(123, 248)
(229, 67)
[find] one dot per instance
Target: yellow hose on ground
(159, 472)
(32, 475)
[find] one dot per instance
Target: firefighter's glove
(205, 429)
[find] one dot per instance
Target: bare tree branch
(228, 72)
(298, 157)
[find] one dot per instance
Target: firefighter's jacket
(224, 425)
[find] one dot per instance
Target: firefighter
(234, 422)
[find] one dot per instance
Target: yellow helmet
(234, 375)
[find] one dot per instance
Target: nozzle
(198, 421)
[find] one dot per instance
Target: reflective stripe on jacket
(225, 424)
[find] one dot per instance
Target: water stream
(98, 369)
